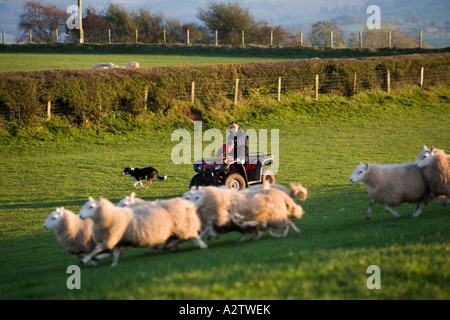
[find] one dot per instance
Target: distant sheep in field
(116, 228)
(132, 64)
(393, 185)
(435, 165)
(75, 235)
(110, 65)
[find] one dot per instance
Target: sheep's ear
(90, 198)
(132, 195)
(193, 189)
(367, 165)
(432, 149)
(425, 147)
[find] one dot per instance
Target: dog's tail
(160, 178)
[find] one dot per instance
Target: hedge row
(90, 94)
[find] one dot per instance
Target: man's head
(234, 126)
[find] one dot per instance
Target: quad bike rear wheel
(268, 175)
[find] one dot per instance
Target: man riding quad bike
(234, 173)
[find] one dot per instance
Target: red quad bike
(223, 170)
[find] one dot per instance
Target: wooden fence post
(420, 39)
(193, 92)
(390, 39)
(360, 40)
(56, 34)
(31, 40)
(317, 87)
(421, 77)
(216, 39)
(3, 36)
(188, 42)
(164, 36)
(279, 89)
(236, 92)
(109, 36)
(354, 83)
(271, 38)
(301, 38)
(146, 98)
(331, 39)
(136, 41)
(243, 39)
(388, 80)
(49, 110)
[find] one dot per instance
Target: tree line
(226, 20)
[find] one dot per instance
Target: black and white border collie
(140, 174)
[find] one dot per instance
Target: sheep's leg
(199, 242)
(294, 227)
(394, 213)
(246, 236)
(104, 255)
(258, 234)
(419, 209)
(157, 248)
(421, 206)
(369, 211)
(117, 251)
(173, 244)
(98, 248)
(274, 234)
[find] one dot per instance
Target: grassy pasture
(49, 61)
(321, 142)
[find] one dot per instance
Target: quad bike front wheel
(235, 182)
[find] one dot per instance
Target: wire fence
(335, 84)
(362, 39)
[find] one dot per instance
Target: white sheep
(117, 228)
(435, 165)
(270, 209)
(297, 190)
(393, 185)
(248, 211)
(75, 235)
(130, 200)
(132, 64)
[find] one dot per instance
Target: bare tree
(42, 20)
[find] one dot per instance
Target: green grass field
(321, 142)
(49, 61)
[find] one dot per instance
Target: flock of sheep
(103, 229)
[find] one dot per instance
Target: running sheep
(435, 165)
(249, 211)
(117, 228)
(75, 235)
(393, 185)
(270, 209)
(297, 190)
